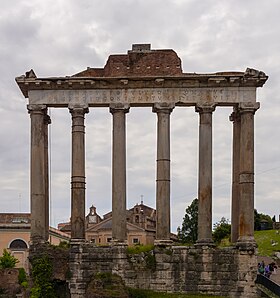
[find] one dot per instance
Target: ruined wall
(226, 272)
(9, 285)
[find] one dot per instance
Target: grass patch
(264, 240)
(137, 249)
(225, 242)
(138, 293)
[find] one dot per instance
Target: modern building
(15, 236)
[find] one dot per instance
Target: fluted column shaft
(235, 197)
(119, 172)
(78, 172)
(205, 174)
(246, 175)
(163, 170)
(38, 172)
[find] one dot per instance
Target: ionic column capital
(163, 107)
(234, 116)
(205, 108)
(78, 109)
(119, 107)
(36, 108)
(248, 107)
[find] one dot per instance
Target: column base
(205, 242)
(163, 242)
(247, 243)
(76, 241)
(38, 240)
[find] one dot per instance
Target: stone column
(47, 121)
(235, 118)
(78, 180)
(163, 111)
(118, 111)
(38, 173)
(246, 176)
(205, 174)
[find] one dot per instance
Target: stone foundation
(9, 285)
(226, 272)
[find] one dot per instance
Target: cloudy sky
(63, 37)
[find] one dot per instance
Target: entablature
(249, 78)
(143, 77)
(223, 96)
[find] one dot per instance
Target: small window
(99, 240)
(92, 240)
(137, 219)
(18, 244)
(135, 240)
(109, 240)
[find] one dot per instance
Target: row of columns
(242, 175)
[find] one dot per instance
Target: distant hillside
(268, 242)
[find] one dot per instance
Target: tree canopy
(7, 260)
(188, 232)
(221, 230)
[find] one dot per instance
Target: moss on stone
(106, 285)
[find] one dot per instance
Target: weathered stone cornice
(249, 78)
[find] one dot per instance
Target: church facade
(140, 226)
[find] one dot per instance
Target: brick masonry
(226, 272)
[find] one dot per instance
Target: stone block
(130, 274)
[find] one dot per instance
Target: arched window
(18, 244)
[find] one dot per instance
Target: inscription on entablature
(144, 96)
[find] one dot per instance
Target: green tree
(188, 232)
(221, 230)
(7, 260)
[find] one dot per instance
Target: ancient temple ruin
(145, 78)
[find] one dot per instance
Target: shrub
(64, 244)
(22, 277)
(137, 249)
(7, 260)
(41, 275)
